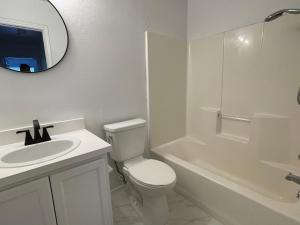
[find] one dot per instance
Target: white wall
(103, 76)
(207, 17)
(167, 17)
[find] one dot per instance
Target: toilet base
(155, 210)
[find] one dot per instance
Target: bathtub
(230, 185)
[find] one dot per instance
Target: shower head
(280, 13)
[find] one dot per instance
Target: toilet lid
(152, 172)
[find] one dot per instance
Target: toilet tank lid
(125, 125)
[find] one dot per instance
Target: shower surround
(242, 123)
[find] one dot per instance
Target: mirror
(33, 35)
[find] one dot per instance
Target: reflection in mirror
(33, 36)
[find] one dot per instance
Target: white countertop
(91, 147)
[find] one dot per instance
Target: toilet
(151, 178)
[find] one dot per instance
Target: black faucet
(28, 137)
(37, 138)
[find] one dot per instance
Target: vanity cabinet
(28, 204)
(77, 196)
(81, 195)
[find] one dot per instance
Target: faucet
(37, 138)
(293, 178)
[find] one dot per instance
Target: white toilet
(152, 178)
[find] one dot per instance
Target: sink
(20, 155)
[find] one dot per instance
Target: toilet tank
(127, 139)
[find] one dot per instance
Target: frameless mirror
(33, 35)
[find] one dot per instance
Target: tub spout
(293, 178)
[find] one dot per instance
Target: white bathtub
(230, 185)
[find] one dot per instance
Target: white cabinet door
(82, 195)
(28, 204)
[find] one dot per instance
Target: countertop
(91, 147)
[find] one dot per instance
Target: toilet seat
(151, 173)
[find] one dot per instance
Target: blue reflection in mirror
(22, 49)
(21, 64)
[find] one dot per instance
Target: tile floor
(182, 211)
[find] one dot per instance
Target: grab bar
(221, 116)
(293, 178)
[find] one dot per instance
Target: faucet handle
(46, 136)
(28, 137)
(36, 124)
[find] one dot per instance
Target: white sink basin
(19, 156)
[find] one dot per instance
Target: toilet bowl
(152, 179)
